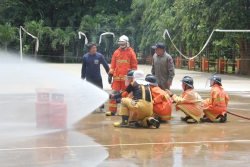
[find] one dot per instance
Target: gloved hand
(110, 78)
(111, 96)
(118, 100)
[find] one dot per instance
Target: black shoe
(152, 121)
(223, 118)
(186, 118)
(191, 120)
(134, 125)
(205, 120)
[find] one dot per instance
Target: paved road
(94, 141)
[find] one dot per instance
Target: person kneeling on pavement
(190, 102)
(216, 106)
(142, 103)
(162, 107)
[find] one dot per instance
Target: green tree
(37, 29)
(8, 34)
(63, 38)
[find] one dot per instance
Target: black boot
(154, 122)
(223, 118)
(134, 124)
(186, 118)
(205, 120)
(123, 123)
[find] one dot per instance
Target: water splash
(19, 85)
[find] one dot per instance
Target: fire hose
(237, 115)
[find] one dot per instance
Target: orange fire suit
(217, 104)
(122, 61)
(162, 106)
(190, 103)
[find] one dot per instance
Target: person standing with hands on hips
(162, 66)
(123, 59)
(91, 67)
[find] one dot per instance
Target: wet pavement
(94, 141)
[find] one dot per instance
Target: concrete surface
(94, 141)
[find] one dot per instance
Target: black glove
(110, 78)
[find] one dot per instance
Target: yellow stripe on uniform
(219, 99)
(118, 78)
(165, 97)
(123, 61)
(112, 105)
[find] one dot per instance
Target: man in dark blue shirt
(91, 67)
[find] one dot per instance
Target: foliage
(7, 34)
(190, 22)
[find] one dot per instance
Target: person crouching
(190, 102)
(142, 103)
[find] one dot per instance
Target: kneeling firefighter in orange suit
(162, 107)
(190, 102)
(216, 106)
(123, 59)
(141, 104)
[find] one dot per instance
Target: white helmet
(123, 41)
(139, 77)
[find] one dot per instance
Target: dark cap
(158, 45)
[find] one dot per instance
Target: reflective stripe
(123, 61)
(208, 113)
(198, 101)
(112, 105)
(118, 78)
(219, 99)
(188, 113)
(166, 116)
(165, 97)
(177, 98)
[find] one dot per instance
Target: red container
(178, 61)
(221, 65)
(191, 64)
(58, 112)
(205, 64)
(42, 110)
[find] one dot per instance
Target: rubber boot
(134, 124)
(223, 118)
(153, 122)
(186, 118)
(123, 123)
(110, 113)
(205, 120)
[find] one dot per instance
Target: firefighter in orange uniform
(190, 102)
(216, 106)
(162, 107)
(123, 59)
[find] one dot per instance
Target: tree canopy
(190, 22)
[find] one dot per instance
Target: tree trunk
(64, 55)
(6, 47)
(244, 46)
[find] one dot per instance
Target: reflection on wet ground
(96, 142)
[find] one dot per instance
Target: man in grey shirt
(162, 66)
